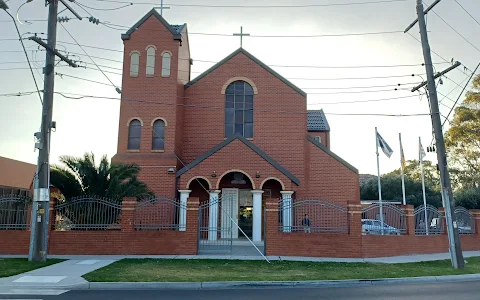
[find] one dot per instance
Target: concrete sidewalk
(386, 260)
(62, 276)
(68, 275)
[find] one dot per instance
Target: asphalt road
(443, 291)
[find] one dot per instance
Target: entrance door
(229, 209)
(245, 199)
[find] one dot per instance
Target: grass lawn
(196, 270)
(15, 266)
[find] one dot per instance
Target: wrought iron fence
(394, 220)
(312, 216)
(428, 220)
(88, 213)
(14, 212)
(465, 220)
(159, 213)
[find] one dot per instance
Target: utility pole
(452, 228)
(41, 197)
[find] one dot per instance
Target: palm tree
(81, 176)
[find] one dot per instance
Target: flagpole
(379, 184)
(420, 154)
(402, 157)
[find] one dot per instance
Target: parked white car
(370, 226)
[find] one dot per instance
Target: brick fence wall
(126, 240)
(356, 244)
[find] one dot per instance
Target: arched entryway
(237, 201)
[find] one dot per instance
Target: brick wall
(277, 134)
(245, 160)
(113, 242)
(354, 244)
(14, 241)
(328, 178)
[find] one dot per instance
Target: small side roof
(174, 29)
(256, 60)
(316, 121)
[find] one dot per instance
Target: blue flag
(385, 147)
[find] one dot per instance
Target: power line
(468, 12)
(438, 55)
(118, 90)
(280, 66)
(26, 55)
(103, 9)
(257, 6)
(124, 27)
(460, 95)
(304, 88)
(80, 96)
(189, 98)
(451, 27)
(89, 80)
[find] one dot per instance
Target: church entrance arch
(227, 206)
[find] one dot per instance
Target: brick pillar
(410, 214)
(441, 212)
(355, 228)
(272, 239)
(51, 214)
(476, 217)
(192, 225)
(128, 213)
(354, 218)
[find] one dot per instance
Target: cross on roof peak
(161, 7)
(241, 35)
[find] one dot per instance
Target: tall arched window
(134, 63)
(134, 134)
(150, 61)
(239, 109)
(166, 63)
(158, 135)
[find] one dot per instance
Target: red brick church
(239, 129)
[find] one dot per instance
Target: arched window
(239, 109)
(158, 135)
(150, 61)
(134, 134)
(166, 62)
(134, 63)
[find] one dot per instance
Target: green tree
(392, 190)
(82, 176)
(413, 170)
(468, 198)
(463, 141)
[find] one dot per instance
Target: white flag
(385, 147)
(421, 152)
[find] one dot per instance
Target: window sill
(158, 151)
(165, 76)
(133, 150)
(134, 76)
(150, 76)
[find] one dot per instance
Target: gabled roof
(256, 60)
(249, 144)
(316, 121)
(174, 29)
(326, 150)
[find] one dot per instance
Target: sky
(323, 67)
